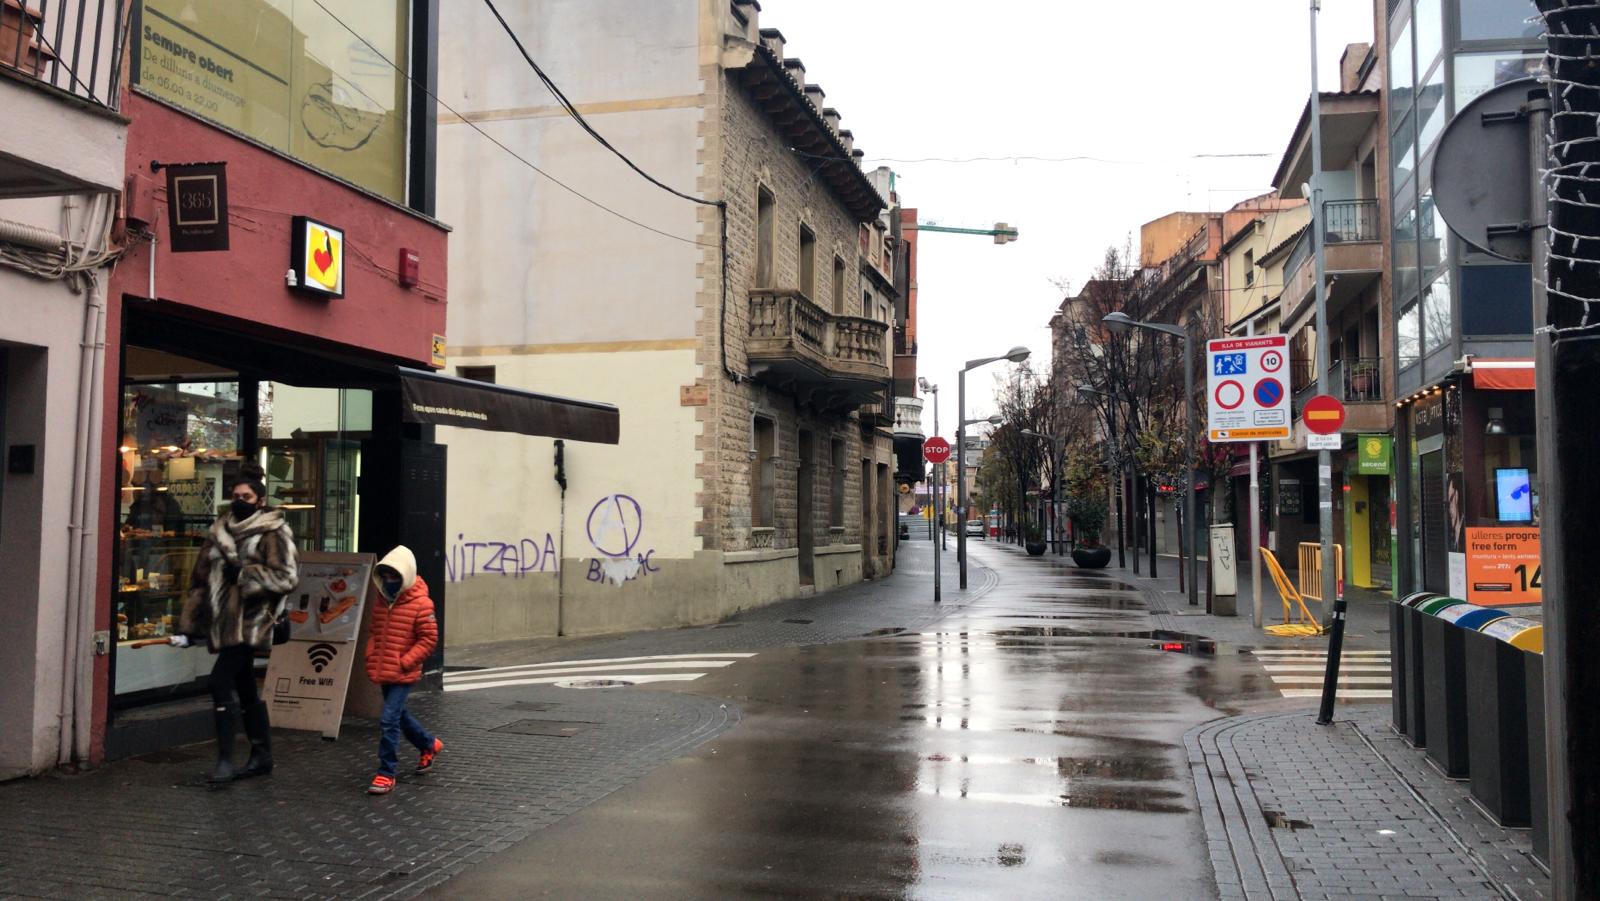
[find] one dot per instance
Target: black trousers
(234, 673)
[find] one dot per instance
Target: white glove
(178, 641)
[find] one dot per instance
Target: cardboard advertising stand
(319, 672)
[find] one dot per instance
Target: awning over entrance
(1502, 374)
(448, 400)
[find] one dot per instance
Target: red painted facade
(377, 319)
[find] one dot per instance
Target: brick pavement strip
(150, 827)
(1341, 787)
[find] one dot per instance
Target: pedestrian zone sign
(1247, 389)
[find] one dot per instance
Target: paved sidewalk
(1297, 810)
(902, 602)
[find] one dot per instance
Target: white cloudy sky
(1145, 83)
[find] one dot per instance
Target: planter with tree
(1034, 540)
(1088, 514)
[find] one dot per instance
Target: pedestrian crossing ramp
(1363, 675)
(608, 672)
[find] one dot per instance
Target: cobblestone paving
(1296, 810)
(149, 826)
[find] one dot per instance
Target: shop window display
(179, 442)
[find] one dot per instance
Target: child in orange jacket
(404, 634)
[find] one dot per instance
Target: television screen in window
(1514, 491)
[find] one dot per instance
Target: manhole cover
(550, 728)
(594, 683)
(800, 622)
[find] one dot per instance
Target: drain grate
(594, 683)
(1276, 820)
(547, 728)
(800, 622)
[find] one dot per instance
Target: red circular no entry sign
(1323, 414)
(936, 450)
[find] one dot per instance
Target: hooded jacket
(240, 578)
(404, 631)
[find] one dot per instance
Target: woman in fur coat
(236, 593)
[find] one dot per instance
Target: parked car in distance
(975, 528)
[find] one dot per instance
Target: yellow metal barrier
(1311, 569)
(1296, 622)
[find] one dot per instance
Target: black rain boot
(223, 771)
(259, 729)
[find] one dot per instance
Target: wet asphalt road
(1028, 747)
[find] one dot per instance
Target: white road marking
(486, 675)
(1267, 652)
(520, 666)
(1343, 693)
(635, 678)
(1347, 668)
(1343, 680)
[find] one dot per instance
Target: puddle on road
(1134, 799)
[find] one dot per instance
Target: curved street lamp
(1015, 355)
(1121, 323)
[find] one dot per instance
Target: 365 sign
(1247, 395)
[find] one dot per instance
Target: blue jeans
(395, 720)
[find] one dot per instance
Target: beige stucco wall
(1275, 228)
(41, 331)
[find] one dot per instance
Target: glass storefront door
(186, 427)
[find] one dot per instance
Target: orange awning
(1502, 374)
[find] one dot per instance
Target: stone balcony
(830, 361)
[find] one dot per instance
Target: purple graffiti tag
(615, 525)
(513, 558)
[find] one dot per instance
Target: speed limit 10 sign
(1247, 395)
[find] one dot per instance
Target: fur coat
(240, 578)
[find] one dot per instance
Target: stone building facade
(752, 371)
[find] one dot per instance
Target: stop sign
(936, 450)
(1323, 414)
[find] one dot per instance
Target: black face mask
(242, 510)
(390, 586)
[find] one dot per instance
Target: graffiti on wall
(513, 557)
(615, 528)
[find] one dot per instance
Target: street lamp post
(1015, 355)
(1058, 457)
(1121, 323)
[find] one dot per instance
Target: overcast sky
(1147, 84)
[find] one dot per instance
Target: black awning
(447, 400)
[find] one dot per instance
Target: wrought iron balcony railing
(73, 45)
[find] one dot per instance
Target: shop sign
(197, 206)
(316, 258)
(1373, 455)
(1428, 416)
(309, 677)
(438, 351)
(1503, 566)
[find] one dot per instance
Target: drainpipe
(77, 669)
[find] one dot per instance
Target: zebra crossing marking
(632, 670)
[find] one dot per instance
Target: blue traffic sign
(1268, 392)
(1229, 364)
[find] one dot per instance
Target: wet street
(1029, 745)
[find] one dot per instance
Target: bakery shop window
(179, 442)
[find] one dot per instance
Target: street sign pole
(936, 451)
(1330, 592)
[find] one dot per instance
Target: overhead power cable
(519, 157)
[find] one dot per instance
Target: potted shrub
(1034, 541)
(1088, 514)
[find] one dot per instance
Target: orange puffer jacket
(404, 632)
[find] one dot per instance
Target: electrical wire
(572, 111)
(1081, 158)
(517, 156)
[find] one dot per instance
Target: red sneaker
(426, 762)
(381, 785)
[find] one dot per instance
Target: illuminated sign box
(317, 258)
